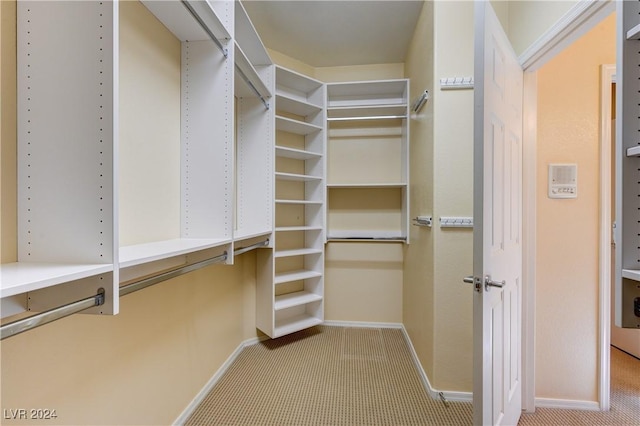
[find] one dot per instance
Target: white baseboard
(434, 393)
(182, 418)
(567, 404)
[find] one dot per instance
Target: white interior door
(498, 91)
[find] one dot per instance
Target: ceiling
(336, 33)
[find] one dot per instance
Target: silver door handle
(468, 280)
(488, 282)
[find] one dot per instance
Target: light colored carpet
(625, 400)
(327, 376)
(366, 376)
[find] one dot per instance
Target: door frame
(576, 22)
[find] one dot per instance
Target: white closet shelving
(67, 133)
(627, 288)
(367, 163)
(74, 166)
(254, 87)
(291, 277)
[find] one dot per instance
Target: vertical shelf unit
(627, 282)
(254, 87)
(67, 134)
(291, 276)
(367, 161)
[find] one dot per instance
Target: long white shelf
(367, 111)
(294, 126)
(632, 274)
(21, 277)
(366, 185)
(304, 202)
(295, 299)
(367, 93)
(149, 252)
(287, 103)
(301, 274)
(177, 18)
(296, 154)
(634, 33)
(296, 252)
(633, 151)
(298, 228)
(297, 177)
(249, 71)
(293, 324)
(365, 235)
(247, 233)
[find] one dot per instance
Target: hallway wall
(568, 230)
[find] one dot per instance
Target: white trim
(607, 75)
(195, 402)
(571, 26)
(433, 393)
(362, 324)
(567, 404)
(529, 188)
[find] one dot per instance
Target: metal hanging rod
(206, 28)
(20, 326)
(251, 85)
(372, 117)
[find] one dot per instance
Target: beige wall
(418, 298)
(567, 236)
(146, 364)
(8, 189)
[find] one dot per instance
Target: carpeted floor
(625, 400)
(366, 376)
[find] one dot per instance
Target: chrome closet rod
(205, 28)
(246, 79)
(25, 324)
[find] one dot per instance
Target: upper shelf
(294, 105)
(21, 277)
(249, 76)
(189, 20)
(367, 112)
(362, 94)
(294, 126)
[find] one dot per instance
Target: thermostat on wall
(563, 180)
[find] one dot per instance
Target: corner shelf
(291, 276)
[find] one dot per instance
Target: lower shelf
(301, 274)
(297, 323)
(295, 299)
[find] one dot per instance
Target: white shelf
(371, 112)
(366, 185)
(297, 323)
(296, 252)
(250, 72)
(21, 277)
(177, 18)
(297, 177)
(360, 94)
(633, 151)
(296, 154)
(632, 274)
(364, 235)
(245, 234)
(634, 33)
(305, 202)
(293, 81)
(150, 252)
(295, 299)
(287, 103)
(247, 36)
(298, 228)
(294, 126)
(301, 274)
